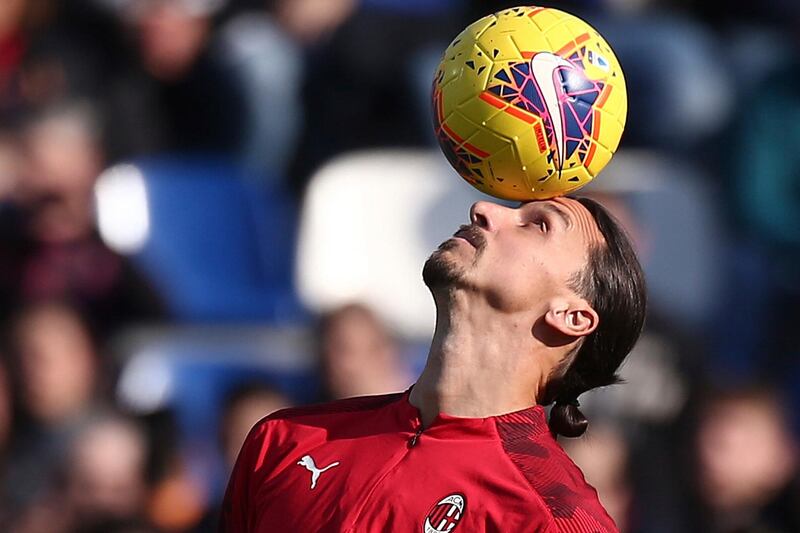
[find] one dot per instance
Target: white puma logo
(308, 462)
(543, 68)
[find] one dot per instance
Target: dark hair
(613, 284)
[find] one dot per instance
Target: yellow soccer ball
(529, 103)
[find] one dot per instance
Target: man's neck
(481, 362)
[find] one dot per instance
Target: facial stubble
(441, 270)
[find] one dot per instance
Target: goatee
(440, 272)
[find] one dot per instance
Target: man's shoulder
(299, 427)
(557, 480)
(332, 410)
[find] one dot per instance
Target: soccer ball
(529, 103)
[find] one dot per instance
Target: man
(535, 305)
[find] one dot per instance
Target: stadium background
(210, 209)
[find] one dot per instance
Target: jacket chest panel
(386, 481)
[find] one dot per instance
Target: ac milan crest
(445, 515)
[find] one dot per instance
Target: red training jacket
(363, 465)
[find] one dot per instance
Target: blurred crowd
(130, 373)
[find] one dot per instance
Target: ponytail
(567, 419)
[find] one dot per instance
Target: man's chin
(440, 269)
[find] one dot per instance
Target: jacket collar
(523, 423)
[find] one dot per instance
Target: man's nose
(488, 215)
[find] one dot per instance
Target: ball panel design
(529, 103)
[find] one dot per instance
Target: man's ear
(572, 317)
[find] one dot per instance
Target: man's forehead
(582, 220)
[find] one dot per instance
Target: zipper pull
(415, 438)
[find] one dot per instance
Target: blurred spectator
(364, 72)
(187, 99)
(172, 35)
(179, 500)
(54, 51)
(309, 21)
(358, 355)
(56, 363)
(268, 67)
(56, 376)
(105, 476)
(246, 405)
(207, 84)
(48, 246)
(62, 158)
(603, 456)
(747, 464)
(101, 482)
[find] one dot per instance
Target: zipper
(415, 438)
(412, 442)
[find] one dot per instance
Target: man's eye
(541, 224)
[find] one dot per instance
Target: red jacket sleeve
(237, 507)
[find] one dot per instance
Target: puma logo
(308, 462)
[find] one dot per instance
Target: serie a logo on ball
(529, 103)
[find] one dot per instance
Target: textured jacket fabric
(365, 465)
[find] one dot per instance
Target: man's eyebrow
(558, 211)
